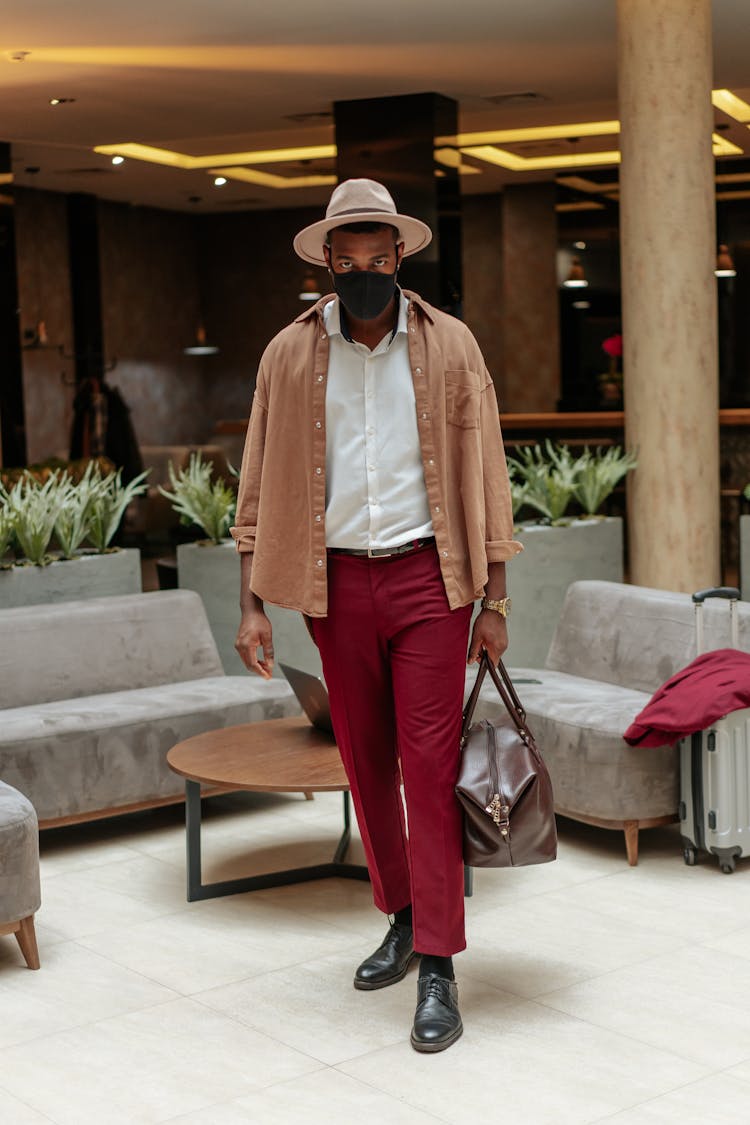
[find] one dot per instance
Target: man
(374, 498)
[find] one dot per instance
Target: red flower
(613, 345)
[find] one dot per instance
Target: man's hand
(490, 632)
(255, 632)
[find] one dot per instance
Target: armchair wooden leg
(309, 796)
(26, 938)
(631, 841)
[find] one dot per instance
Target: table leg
(193, 839)
(197, 890)
(346, 835)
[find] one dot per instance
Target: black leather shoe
(390, 961)
(437, 1021)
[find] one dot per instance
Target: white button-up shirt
(375, 489)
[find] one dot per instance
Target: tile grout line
(28, 1105)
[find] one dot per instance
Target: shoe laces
(435, 988)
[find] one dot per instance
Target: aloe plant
(107, 503)
(599, 474)
(7, 525)
(199, 500)
(548, 481)
(72, 523)
(33, 509)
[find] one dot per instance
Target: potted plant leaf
(47, 517)
(211, 567)
(559, 546)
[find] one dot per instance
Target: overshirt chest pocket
(463, 395)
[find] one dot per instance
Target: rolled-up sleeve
(246, 519)
(498, 507)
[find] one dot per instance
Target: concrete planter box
(538, 579)
(213, 571)
(745, 557)
(87, 576)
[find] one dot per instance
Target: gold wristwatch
(499, 605)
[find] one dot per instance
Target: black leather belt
(383, 552)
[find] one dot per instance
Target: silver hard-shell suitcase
(715, 770)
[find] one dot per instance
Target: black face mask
(365, 293)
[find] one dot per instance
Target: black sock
(437, 966)
(403, 917)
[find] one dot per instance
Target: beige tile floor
(591, 992)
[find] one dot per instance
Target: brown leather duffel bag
(503, 784)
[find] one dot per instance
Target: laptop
(312, 695)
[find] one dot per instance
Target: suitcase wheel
(689, 856)
(728, 865)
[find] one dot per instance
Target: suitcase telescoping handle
(731, 594)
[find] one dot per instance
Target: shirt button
(430, 462)
(445, 554)
(318, 471)
(424, 415)
(318, 425)
(320, 378)
(322, 335)
(418, 370)
(317, 519)
(412, 329)
(320, 562)
(437, 507)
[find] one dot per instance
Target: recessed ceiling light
(118, 159)
(61, 101)
(579, 245)
(220, 181)
(582, 304)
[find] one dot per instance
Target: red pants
(394, 660)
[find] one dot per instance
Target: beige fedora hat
(360, 201)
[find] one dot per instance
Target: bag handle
(507, 692)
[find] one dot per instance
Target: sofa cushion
(81, 648)
(578, 725)
(105, 751)
(634, 636)
(20, 893)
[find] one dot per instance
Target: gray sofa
(614, 645)
(94, 693)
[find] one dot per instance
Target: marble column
(669, 291)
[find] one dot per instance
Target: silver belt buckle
(378, 553)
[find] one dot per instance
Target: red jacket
(709, 688)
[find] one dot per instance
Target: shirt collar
(413, 299)
(335, 317)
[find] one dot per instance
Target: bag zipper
(497, 807)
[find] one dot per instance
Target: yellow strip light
(733, 106)
(190, 163)
(537, 133)
(505, 159)
(580, 205)
(451, 158)
(723, 147)
(270, 180)
(482, 146)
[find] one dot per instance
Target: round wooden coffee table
(275, 756)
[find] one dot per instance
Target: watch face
(507, 606)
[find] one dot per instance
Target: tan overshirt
(282, 493)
